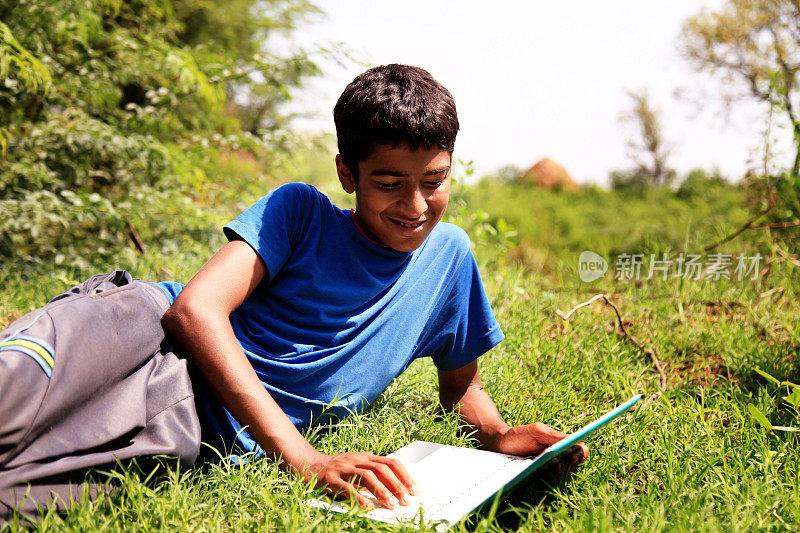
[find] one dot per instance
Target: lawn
(693, 457)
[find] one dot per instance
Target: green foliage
(137, 122)
(695, 185)
(19, 69)
(699, 183)
(647, 147)
(100, 188)
(755, 45)
(693, 459)
(20, 72)
(630, 182)
(759, 417)
(241, 29)
(485, 230)
(550, 225)
(792, 398)
(779, 197)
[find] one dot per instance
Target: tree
(245, 32)
(754, 42)
(756, 45)
(20, 70)
(112, 113)
(629, 181)
(647, 146)
(698, 182)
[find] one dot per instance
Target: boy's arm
(199, 319)
(462, 390)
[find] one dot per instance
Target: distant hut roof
(549, 174)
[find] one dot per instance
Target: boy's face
(401, 194)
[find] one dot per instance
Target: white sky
(534, 79)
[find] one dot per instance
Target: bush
(113, 116)
(699, 183)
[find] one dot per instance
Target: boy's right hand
(200, 320)
(346, 473)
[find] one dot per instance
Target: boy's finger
(400, 473)
(387, 476)
(584, 451)
(552, 469)
(546, 434)
(343, 490)
(370, 481)
(362, 499)
(580, 452)
(575, 456)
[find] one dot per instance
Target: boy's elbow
(455, 385)
(450, 399)
(171, 319)
(182, 316)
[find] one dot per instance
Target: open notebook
(454, 482)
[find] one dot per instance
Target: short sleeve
(470, 329)
(274, 225)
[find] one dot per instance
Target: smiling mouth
(407, 224)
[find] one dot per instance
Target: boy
(310, 311)
(364, 292)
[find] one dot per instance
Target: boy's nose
(414, 204)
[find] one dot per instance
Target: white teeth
(407, 225)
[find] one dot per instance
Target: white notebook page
(452, 482)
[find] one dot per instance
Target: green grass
(692, 459)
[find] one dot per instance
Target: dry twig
(776, 225)
(137, 244)
(630, 338)
(747, 225)
(778, 290)
(136, 241)
(791, 258)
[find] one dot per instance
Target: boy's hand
(462, 390)
(347, 473)
(532, 439)
(200, 320)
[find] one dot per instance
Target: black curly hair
(392, 104)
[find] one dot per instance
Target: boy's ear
(346, 177)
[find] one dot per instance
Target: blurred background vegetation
(131, 130)
(131, 126)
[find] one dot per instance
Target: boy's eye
(388, 185)
(434, 184)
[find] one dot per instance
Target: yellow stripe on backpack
(31, 346)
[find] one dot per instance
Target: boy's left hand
(532, 439)
(462, 390)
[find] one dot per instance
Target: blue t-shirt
(337, 316)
